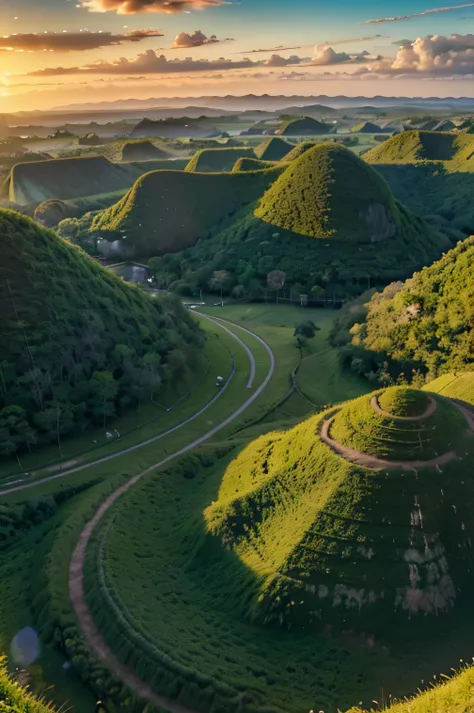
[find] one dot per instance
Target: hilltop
(217, 160)
(327, 220)
(142, 151)
(456, 151)
(425, 323)
(273, 149)
(341, 521)
(67, 361)
(299, 149)
(67, 178)
(368, 127)
(168, 211)
(305, 126)
(251, 164)
(173, 128)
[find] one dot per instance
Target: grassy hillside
(273, 149)
(425, 323)
(67, 178)
(15, 699)
(298, 150)
(455, 150)
(142, 151)
(455, 386)
(216, 160)
(367, 127)
(250, 164)
(452, 696)
(77, 345)
(305, 126)
(167, 211)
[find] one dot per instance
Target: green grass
(456, 151)
(304, 126)
(15, 699)
(273, 149)
(217, 160)
(250, 164)
(454, 386)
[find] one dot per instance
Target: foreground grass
(15, 699)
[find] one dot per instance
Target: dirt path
(77, 595)
(431, 408)
(373, 463)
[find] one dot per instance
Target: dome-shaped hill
(217, 160)
(329, 191)
(250, 164)
(411, 146)
(142, 151)
(305, 126)
(66, 178)
(337, 536)
(273, 149)
(77, 344)
(51, 212)
(299, 150)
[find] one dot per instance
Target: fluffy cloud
(132, 7)
(397, 18)
(71, 41)
(325, 55)
(196, 39)
(277, 60)
(149, 62)
(432, 56)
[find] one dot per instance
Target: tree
(221, 280)
(276, 280)
(102, 392)
(306, 329)
(15, 431)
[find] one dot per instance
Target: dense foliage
(16, 699)
(77, 345)
(426, 324)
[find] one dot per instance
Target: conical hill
(338, 535)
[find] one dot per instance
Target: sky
(54, 53)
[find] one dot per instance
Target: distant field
(456, 387)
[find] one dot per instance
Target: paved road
(136, 446)
(89, 630)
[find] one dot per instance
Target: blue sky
(47, 75)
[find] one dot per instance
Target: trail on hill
(90, 631)
(431, 408)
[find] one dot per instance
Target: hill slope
(336, 524)
(427, 322)
(455, 150)
(67, 178)
(167, 211)
(77, 345)
(305, 126)
(217, 160)
(273, 149)
(142, 151)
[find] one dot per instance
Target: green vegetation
(167, 211)
(51, 212)
(250, 164)
(455, 386)
(425, 324)
(273, 149)
(216, 160)
(304, 126)
(16, 699)
(77, 345)
(456, 151)
(299, 149)
(360, 427)
(142, 151)
(367, 127)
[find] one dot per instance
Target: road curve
(153, 439)
(90, 631)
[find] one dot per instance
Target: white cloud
(432, 55)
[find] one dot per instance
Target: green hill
(168, 211)
(455, 150)
(305, 126)
(273, 149)
(250, 164)
(142, 151)
(51, 212)
(426, 323)
(299, 149)
(368, 127)
(217, 160)
(66, 178)
(357, 517)
(77, 345)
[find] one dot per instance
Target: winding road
(89, 630)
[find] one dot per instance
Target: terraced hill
(77, 344)
(67, 178)
(168, 211)
(455, 150)
(305, 126)
(250, 164)
(273, 149)
(427, 322)
(217, 160)
(354, 517)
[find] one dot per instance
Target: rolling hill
(168, 211)
(142, 151)
(251, 164)
(273, 149)
(172, 128)
(368, 127)
(217, 160)
(66, 178)
(425, 323)
(341, 520)
(305, 126)
(299, 149)
(456, 151)
(77, 345)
